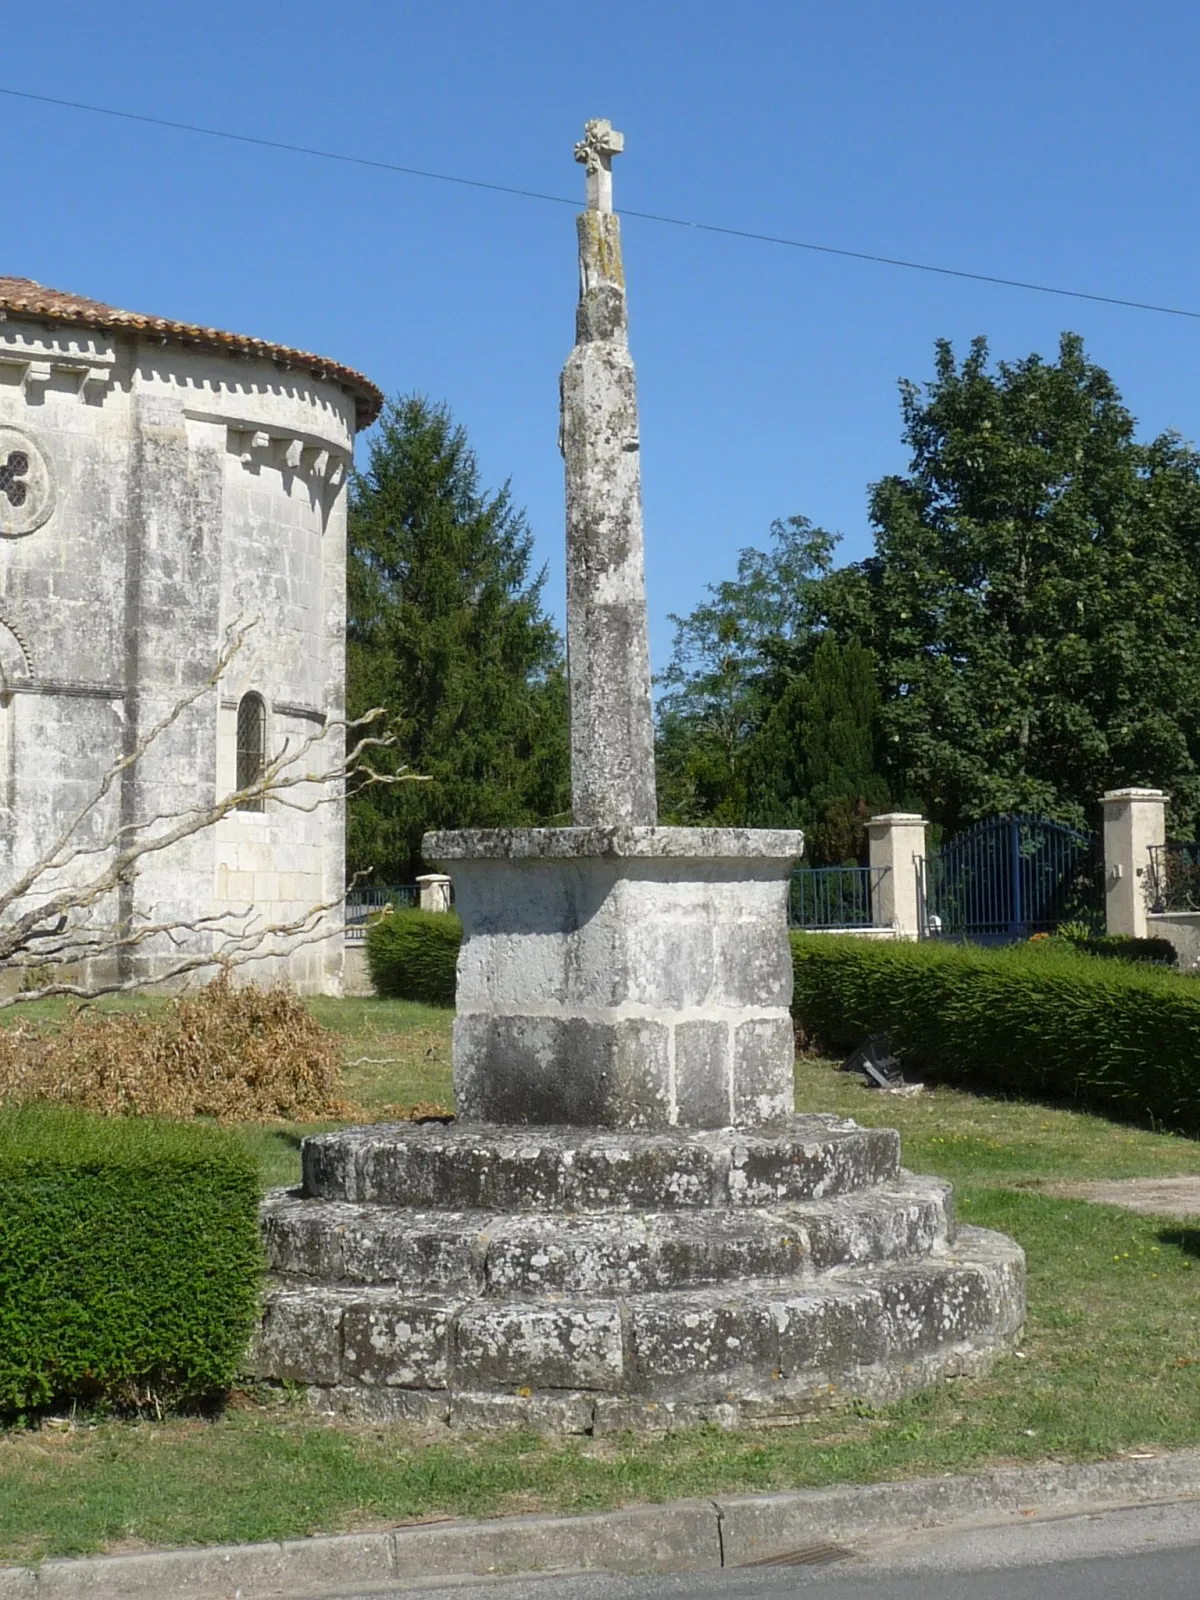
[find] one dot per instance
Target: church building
(161, 483)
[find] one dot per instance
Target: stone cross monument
(627, 1225)
(612, 726)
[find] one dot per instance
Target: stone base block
(624, 977)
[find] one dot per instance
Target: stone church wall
(171, 492)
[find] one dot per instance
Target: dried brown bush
(232, 1051)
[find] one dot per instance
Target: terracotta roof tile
(25, 296)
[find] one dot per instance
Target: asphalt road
(1147, 1553)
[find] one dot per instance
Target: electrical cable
(563, 200)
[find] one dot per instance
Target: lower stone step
(757, 1349)
(614, 1252)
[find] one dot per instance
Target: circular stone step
(742, 1351)
(492, 1253)
(482, 1166)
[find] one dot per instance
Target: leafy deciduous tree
(1034, 596)
(726, 653)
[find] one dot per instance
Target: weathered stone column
(612, 732)
(615, 973)
(896, 842)
(1134, 819)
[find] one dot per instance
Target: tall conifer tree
(446, 630)
(814, 762)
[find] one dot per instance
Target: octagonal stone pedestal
(622, 977)
(574, 1280)
(627, 1225)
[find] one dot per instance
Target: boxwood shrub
(129, 1258)
(413, 955)
(1037, 1023)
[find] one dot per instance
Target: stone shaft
(612, 733)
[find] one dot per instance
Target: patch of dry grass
(238, 1053)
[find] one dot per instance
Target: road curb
(680, 1536)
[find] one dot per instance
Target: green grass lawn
(1109, 1362)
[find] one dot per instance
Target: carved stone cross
(600, 143)
(11, 471)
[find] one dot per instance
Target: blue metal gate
(1011, 877)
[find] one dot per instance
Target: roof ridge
(27, 296)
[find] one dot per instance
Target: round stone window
(26, 492)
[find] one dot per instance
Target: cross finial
(600, 143)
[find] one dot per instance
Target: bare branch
(57, 912)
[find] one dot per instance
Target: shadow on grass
(1185, 1239)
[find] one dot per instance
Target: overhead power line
(564, 200)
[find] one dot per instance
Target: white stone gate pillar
(896, 843)
(1134, 819)
(435, 891)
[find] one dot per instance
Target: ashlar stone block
(618, 1173)
(539, 1346)
(759, 1091)
(575, 1254)
(704, 1073)
(569, 1069)
(830, 1330)
(404, 1344)
(300, 1337)
(677, 1341)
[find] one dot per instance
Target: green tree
(720, 681)
(1034, 596)
(814, 763)
(446, 630)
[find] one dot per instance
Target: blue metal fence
(1174, 877)
(362, 904)
(825, 898)
(1010, 877)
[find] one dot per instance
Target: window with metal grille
(251, 747)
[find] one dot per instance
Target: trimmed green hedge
(1039, 1020)
(413, 955)
(129, 1258)
(1037, 1023)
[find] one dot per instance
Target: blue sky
(1054, 141)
